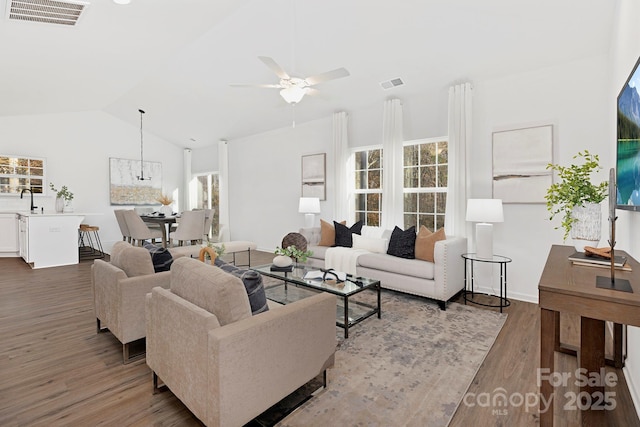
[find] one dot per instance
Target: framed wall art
(313, 176)
(520, 159)
(127, 189)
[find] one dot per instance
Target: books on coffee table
(582, 259)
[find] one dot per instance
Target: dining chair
(122, 223)
(190, 227)
(208, 220)
(139, 230)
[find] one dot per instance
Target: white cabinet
(23, 229)
(49, 240)
(8, 234)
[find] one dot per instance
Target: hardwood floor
(56, 371)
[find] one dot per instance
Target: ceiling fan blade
(273, 65)
(263, 86)
(329, 75)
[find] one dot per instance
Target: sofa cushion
(252, 281)
(210, 288)
(344, 233)
(403, 243)
(328, 233)
(371, 244)
(426, 242)
(403, 266)
(133, 260)
(318, 252)
(160, 257)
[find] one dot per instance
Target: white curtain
(187, 198)
(459, 151)
(223, 182)
(341, 152)
(392, 152)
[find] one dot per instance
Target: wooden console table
(568, 288)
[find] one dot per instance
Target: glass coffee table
(348, 313)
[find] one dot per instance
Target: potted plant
(292, 253)
(578, 200)
(63, 198)
(166, 202)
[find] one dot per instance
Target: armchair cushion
(210, 288)
(252, 281)
(134, 261)
(160, 257)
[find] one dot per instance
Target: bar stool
(89, 245)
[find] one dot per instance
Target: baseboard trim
(510, 295)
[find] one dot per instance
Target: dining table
(164, 221)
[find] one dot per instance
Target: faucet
(33, 208)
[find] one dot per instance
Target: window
(425, 183)
(368, 189)
(207, 197)
(18, 173)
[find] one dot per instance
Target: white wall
(265, 181)
(573, 98)
(624, 54)
(77, 148)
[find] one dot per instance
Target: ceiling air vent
(65, 12)
(391, 83)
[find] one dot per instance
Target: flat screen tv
(628, 144)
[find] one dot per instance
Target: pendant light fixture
(141, 177)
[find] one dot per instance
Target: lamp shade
(292, 94)
(309, 205)
(484, 210)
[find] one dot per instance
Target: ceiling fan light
(292, 94)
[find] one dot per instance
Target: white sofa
(440, 280)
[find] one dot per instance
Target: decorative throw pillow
(371, 244)
(344, 233)
(160, 257)
(328, 233)
(403, 243)
(252, 281)
(426, 242)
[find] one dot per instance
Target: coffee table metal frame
(352, 286)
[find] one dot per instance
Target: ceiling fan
(293, 89)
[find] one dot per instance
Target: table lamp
(483, 212)
(309, 206)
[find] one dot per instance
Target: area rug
(409, 368)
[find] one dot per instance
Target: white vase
(166, 209)
(282, 261)
(59, 204)
(587, 227)
(68, 206)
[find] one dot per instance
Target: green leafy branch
(293, 252)
(575, 188)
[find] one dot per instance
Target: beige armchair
(119, 289)
(225, 365)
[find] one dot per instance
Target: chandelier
(141, 177)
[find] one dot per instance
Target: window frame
(15, 176)
(358, 214)
(438, 217)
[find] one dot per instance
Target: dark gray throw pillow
(344, 234)
(252, 281)
(403, 243)
(160, 257)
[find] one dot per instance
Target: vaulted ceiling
(177, 58)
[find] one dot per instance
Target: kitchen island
(49, 239)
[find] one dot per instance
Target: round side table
(469, 260)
